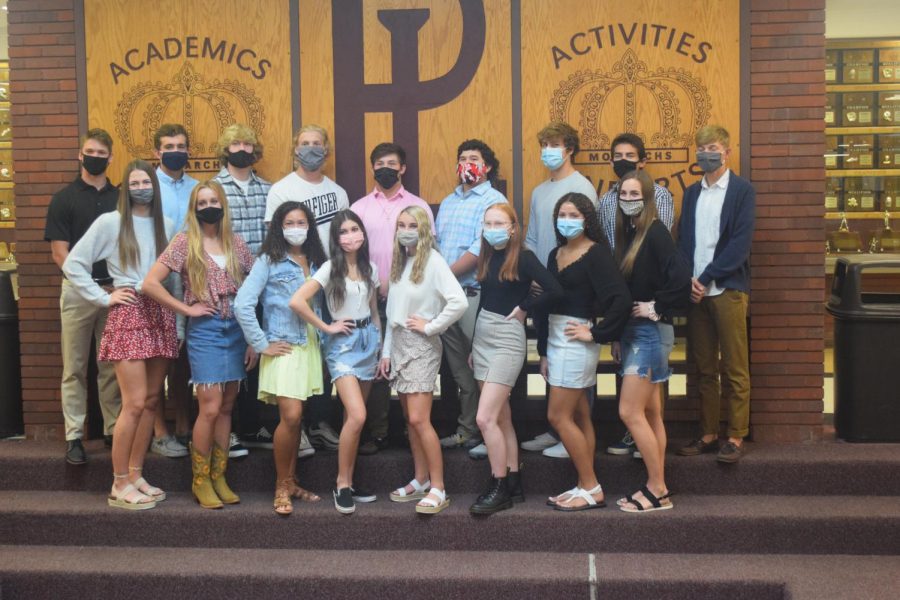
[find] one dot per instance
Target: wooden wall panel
(201, 63)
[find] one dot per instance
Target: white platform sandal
(129, 497)
(147, 489)
(430, 506)
(420, 490)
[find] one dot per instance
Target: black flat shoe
(75, 453)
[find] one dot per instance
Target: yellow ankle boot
(217, 474)
(201, 485)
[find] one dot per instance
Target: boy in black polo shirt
(72, 211)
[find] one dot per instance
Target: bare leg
(222, 431)
(132, 378)
(636, 398)
(209, 398)
(509, 435)
(494, 396)
(561, 413)
(420, 460)
(155, 374)
(353, 396)
(419, 406)
(287, 437)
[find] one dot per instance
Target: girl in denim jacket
(290, 367)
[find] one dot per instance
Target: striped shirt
(459, 221)
(610, 201)
(246, 209)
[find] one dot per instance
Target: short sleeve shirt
(356, 299)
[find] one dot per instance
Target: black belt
(362, 322)
(470, 291)
(102, 282)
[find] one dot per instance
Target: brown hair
(626, 256)
(558, 129)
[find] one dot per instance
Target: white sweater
(439, 297)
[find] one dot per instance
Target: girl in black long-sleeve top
(568, 340)
(660, 283)
(506, 271)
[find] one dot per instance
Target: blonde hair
(238, 132)
(626, 256)
(711, 134)
(317, 129)
(509, 270)
(196, 257)
(423, 247)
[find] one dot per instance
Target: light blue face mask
(552, 158)
(496, 237)
(570, 228)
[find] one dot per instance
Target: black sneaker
(107, 441)
(75, 453)
(235, 448)
(361, 495)
(343, 501)
(367, 448)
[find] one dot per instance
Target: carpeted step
(713, 524)
(809, 469)
(114, 573)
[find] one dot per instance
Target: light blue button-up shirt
(272, 285)
(459, 222)
(176, 193)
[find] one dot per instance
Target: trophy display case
(862, 140)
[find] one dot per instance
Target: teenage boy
(714, 236)
(628, 154)
(171, 144)
(559, 144)
(72, 211)
(458, 224)
(379, 211)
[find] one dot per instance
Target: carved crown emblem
(190, 100)
(672, 100)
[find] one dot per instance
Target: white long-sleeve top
(439, 298)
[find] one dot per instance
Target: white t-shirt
(356, 300)
(325, 199)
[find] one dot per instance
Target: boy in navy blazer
(714, 236)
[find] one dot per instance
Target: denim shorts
(355, 354)
(646, 346)
(216, 350)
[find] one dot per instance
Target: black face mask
(174, 160)
(622, 167)
(210, 214)
(241, 159)
(387, 177)
(95, 165)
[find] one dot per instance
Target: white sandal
(129, 497)
(587, 496)
(559, 497)
(429, 506)
(420, 490)
(145, 488)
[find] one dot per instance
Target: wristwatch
(653, 316)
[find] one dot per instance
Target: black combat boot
(494, 500)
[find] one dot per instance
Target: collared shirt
(73, 210)
(459, 221)
(379, 214)
(176, 193)
(610, 201)
(541, 236)
(246, 206)
(707, 229)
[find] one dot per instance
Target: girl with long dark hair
(352, 339)
(140, 335)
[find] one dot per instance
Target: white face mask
(294, 236)
(408, 237)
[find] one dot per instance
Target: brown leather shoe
(698, 447)
(730, 453)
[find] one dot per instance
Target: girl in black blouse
(505, 271)
(568, 340)
(660, 284)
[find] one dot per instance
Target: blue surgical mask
(570, 228)
(552, 158)
(496, 237)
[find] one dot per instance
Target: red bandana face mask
(469, 172)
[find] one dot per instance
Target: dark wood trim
(81, 68)
(745, 88)
(515, 11)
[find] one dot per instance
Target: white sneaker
(478, 452)
(306, 448)
(541, 442)
(637, 454)
(556, 451)
(168, 446)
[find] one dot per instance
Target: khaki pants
(457, 342)
(80, 321)
(718, 324)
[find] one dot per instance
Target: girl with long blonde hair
(212, 262)
(424, 299)
(140, 335)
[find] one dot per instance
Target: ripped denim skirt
(646, 346)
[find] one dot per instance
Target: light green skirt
(295, 375)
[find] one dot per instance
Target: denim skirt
(355, 354)
(216, 350)
(645, 347)
(570, 363)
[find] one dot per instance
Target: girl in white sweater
(424, 299)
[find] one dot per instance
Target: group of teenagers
(381, 290)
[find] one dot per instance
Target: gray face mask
(311, 157)
(709, 161)
(142, 196)
(632, 208)
(408, 237)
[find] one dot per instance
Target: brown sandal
(283, 504)
(303, 495)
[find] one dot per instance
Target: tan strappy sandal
(283, 504)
